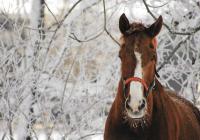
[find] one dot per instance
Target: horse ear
(155, 28)
(123, 23)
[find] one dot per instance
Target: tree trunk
(38, 9)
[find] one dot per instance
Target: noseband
(137, 79)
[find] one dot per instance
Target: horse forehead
(137, 26)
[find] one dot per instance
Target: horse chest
(123, 133)
(124, 136)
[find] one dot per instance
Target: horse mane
(177, 98)
(169, 109)
(188, 103)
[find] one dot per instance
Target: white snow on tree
(75, 69)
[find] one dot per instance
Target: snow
(78, 81)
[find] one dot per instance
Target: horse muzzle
(136, 109)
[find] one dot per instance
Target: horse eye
(151, 46)
(153, 57)
(119, 56)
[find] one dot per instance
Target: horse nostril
(128, 107)
(142, 105)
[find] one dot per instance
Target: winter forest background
(59, 65)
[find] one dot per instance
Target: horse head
(138, 63)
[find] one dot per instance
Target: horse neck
(159, 99)
(162, 110)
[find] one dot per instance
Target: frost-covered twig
(86, 98)
(157, 6)
(168, 28)
(51, 13)
(105, 25)
(67, 79)
(31, 127)
(56, 30)
(99, 34)
(36, 29)
(55, 24)
(172, 53)
(3, 136)
(89, 135)
(74, 37)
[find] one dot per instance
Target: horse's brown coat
(173, 118)
(170, 116)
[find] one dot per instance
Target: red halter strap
(137, 79)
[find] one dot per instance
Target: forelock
(137, 27)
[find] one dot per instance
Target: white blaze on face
(136, 90)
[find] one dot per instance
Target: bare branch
(67, 79)
(168, 28)
(105, 23)
(51, 13)
(69, 12)
(56, 30)
(172, 53)
(157, 6)
(89, 135)
(74, 37)
(3, 136)
(36, 29)
(172, 32)
(54, 24)
(99, 34)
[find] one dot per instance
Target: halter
(137, 79)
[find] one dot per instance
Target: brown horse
(143, 109)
